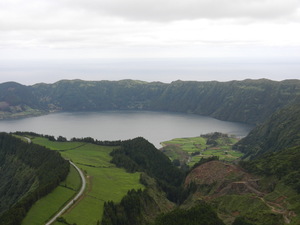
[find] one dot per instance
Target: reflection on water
(121, 125)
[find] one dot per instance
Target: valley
(211, 178)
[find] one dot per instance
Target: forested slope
(280, 131)
(284, 165)
(27, 172)
(249, 101)
(140, 155)
(163, 193)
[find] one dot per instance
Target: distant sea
(165, 70)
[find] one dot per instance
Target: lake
(156, 127)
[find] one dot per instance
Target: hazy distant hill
(249, 101)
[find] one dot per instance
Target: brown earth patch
(236, 213)
(216, 178)
(214, 171)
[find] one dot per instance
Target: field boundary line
(73, 200)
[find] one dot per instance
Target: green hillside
(27, 172)
(249, 101)
(280, 131)
(105, 182)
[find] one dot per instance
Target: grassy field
(105, 181)
(50, 204)
(191, 150)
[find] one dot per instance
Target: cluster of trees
(130, 211)
(64, 139)
(249, 101)
(97, 142)
(28, 172)
(204, 160)
(201, 214)
(213, 137)
(140, 155)
(33, 134)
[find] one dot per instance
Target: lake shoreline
(124, 124)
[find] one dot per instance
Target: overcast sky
(49, 40)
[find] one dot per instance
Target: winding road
(72, 201)
(28, 140)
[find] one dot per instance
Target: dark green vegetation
(184, 151)
(27, 172)
(201, 214)
(249, 101)
(279, 132)
(140, 155)
(137, 207)
(284, 165)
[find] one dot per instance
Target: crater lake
(156, 127)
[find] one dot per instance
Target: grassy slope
(178, 147)
(42, 209)
(105, 181)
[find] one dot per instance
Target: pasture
(50, 204)
(191, 150)
(105, 182)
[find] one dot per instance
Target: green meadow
(50, 204)
(191, 150)
(105, 181)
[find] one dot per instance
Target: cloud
(145, 28)
(170, 10)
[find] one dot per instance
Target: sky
(157, 40)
